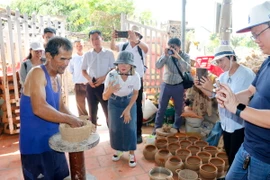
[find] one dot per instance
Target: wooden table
(76, 154)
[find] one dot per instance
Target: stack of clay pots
(188, 156)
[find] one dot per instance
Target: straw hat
(125, 57)
(258, 15)
(137, 31)
(222, 51)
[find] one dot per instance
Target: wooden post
(77, 167)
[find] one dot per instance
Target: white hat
(137, 31)
(36, 46)
(258, 15)
(222, 51)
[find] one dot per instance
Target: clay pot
(192, 139)
(223, 156)
(161, 143)
(172, 139)
(174, 163)
(205, 156)
(181, 136)
(172, 147)
(219, 163)
(183, 153)
(211, 149)
(162, 156)
(194, 149)
(149, 152)
(185, 143)
(201, 143)
(208, 171)
(193, 163)
(160, 173)
(187, 174)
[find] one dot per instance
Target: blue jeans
(257, 170)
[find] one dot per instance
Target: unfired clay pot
(161, 143)
(172, 147)
(149, 152)
(192, 138)
(185, 143)
(162, 156)
(219, 163)
(174, 163)
(172, 139)
(211, 149)
(205, 156)
(194, 149)
(208, 171)
(183, 153)
(201, 143)
(223, 156)
(193, 163)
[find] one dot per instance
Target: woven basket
(77, 134)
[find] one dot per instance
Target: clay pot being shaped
(194, 149)
(205, 156)
(193, 163)
(185, 143)
(208, 171)
(162, 156)
(201, 143)
(149, 152)
(174, 163)
(220, 164)
(172, 147)
(183, 153)
(223, 156)
(192, 139)
(172, 139)
(160, 173)
(161, 143)
(211, 149)
(187, 174)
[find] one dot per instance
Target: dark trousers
(80, 95)
(94, 96)
(139, 111)
(232, 142)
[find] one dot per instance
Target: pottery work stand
(76, 154)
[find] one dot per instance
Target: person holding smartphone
(96, 64)
(238, 78)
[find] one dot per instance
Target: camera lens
(170, 52)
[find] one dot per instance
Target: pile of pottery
(187, 156)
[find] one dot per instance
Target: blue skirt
(123, 137)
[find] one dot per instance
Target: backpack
(140, 52)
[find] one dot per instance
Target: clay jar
(160, 173)
(220, 164)
(205, 156)
(149, 152)
(192, 138)
(223, 156)
(174, 163)
(211, 149)
(201, 143)
(162, 156)
(183, 153)
(187, 174)
(193, 163)
(208, 171)
(181, 136)
(172, 147)
(185, 143)
(161, 143)
(172, 139)
(194, 149)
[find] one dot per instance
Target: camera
(170, 52)
(122, 34)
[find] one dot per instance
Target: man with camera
(138, 48)
(172, 87)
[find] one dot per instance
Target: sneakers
(117, 155)
(132, 160)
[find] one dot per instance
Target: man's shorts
(50, 165)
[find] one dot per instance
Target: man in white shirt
(96, 64)
(75, 68)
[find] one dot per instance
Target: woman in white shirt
(121, 90)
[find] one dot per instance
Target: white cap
(258, 15)
(36, 46)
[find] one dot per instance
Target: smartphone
(122, 34)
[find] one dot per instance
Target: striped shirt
(171, 75)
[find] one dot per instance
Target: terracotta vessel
(172, 139)
(185, 143)
(205, 156)
(193, 163)
(211, 149)
(220, 164)
(208, 171)
(201, 143)
(174, 163)
(223, 156)
(172, 147)
(194, 149)
(161, 143)
(162, 156)
(187, 174)
(149, 152)
(160, 173)
(181, 136)
(192, 138)
(183, 153)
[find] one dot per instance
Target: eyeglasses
(255, 36)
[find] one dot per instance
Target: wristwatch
(240, 107)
